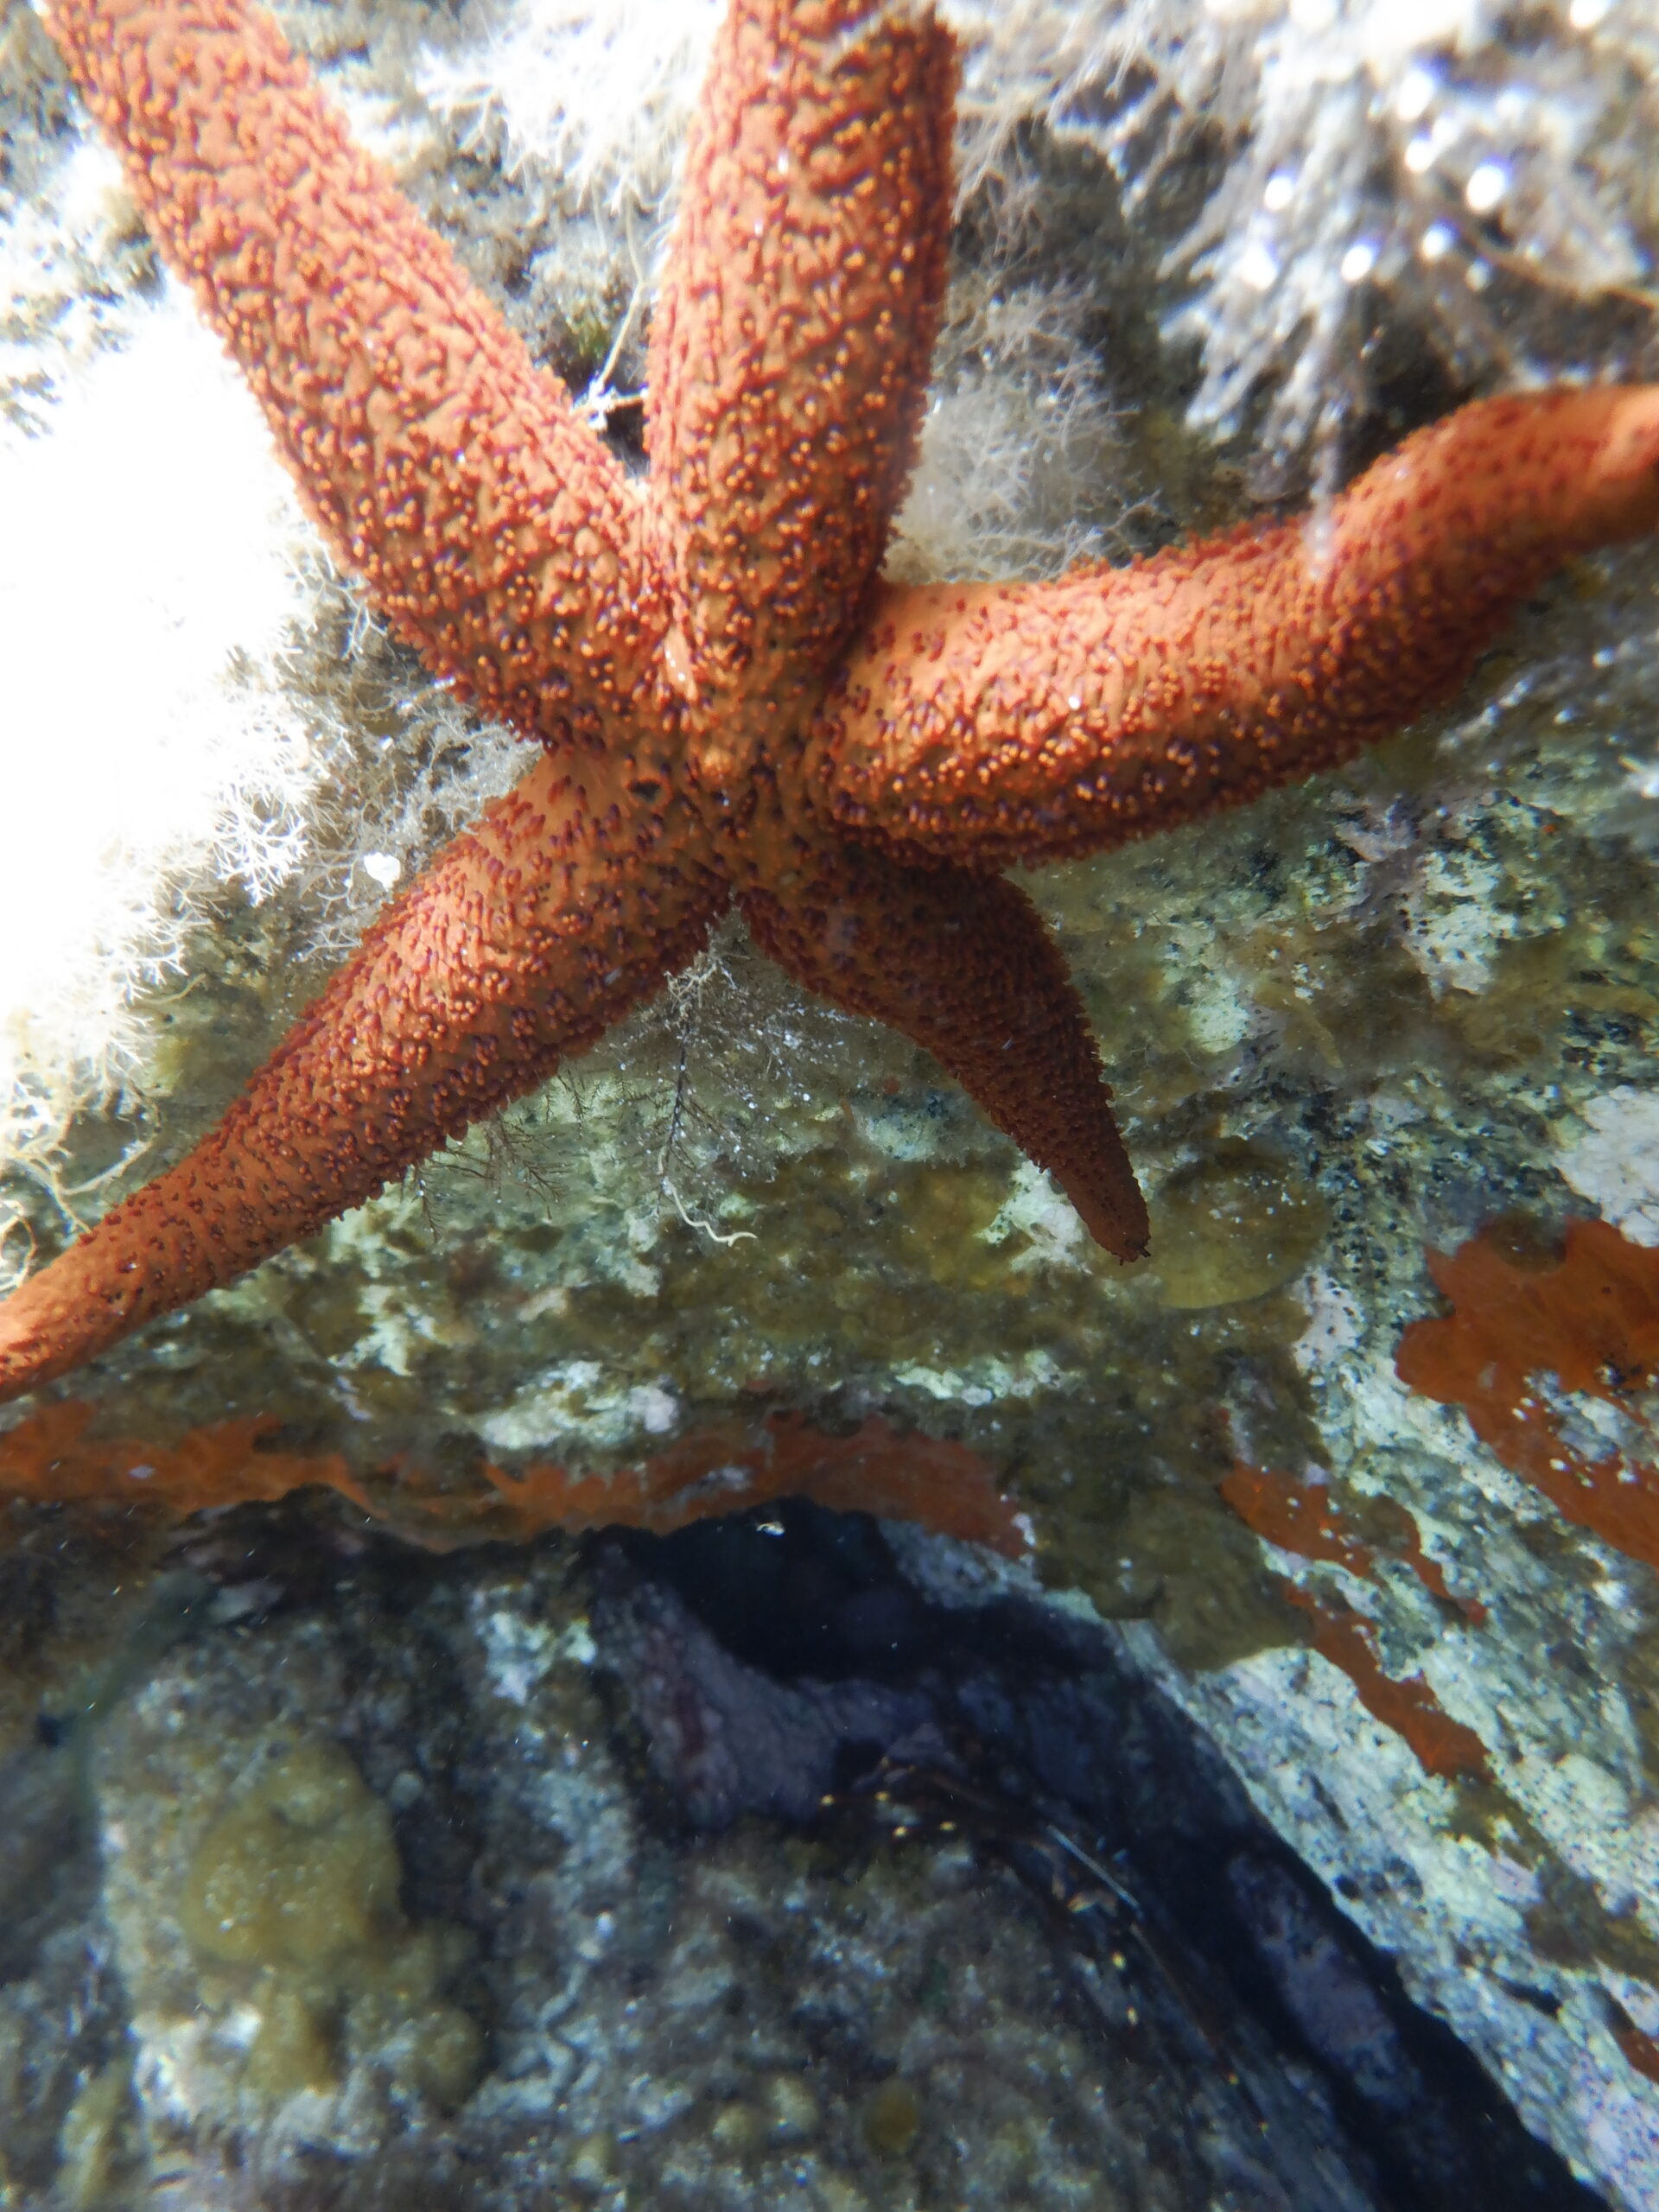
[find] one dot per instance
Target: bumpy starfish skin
(998, 722)
(525, 939)
(500, 536)
(732, 704)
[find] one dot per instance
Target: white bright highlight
(146, 587)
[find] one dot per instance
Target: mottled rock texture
(363, 1879)
(1360, 1020)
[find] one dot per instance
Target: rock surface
(386, 1881)
(1361, 1020)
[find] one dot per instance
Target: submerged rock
(1361, 1020)
(403, 1885)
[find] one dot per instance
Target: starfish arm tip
(1624, 476)
(46, 1330)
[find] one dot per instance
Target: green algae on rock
(291, 1898)
(739, 2018)
(1234, 1226)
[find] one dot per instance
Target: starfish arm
(961, 964)
(789, 349)
(995, 723)
(527, 938)
(492, 528)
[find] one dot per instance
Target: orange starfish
(732, 704)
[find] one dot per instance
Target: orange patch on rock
(1409, 1708)
(1300, 1517)
(1304, 1518)
(1429, 1572)
(1640, 2049)
(49, 1457)
(1592, 1321)
(945, 1486)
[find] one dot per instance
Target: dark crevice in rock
(779, 1655)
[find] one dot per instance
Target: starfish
(730, 703)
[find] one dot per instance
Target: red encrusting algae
(1304, 1518)
(1300, 1517)
(1640, 2049)
(1591, 1321)
(722, 1469)
(50, 1457)
(1405, 1705)
(947, 1487)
